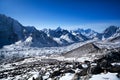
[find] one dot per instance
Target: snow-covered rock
(102, 76)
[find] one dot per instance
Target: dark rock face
(56, 73)
(83, 72)
(110, 31)
(69, 71)
(96, 69)
(110, 57)
(57, 33)
(79, 66)
(9, 30)
(115, 68)
(105, 62)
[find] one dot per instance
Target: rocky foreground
(51, 69)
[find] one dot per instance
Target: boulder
(118, 75)
(55, 73)
(96, 70)
(83, 72)
(69, 71)
(115, 69)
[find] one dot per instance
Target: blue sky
(68, 14)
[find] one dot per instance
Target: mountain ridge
(12, 31)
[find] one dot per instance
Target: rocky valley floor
(40, 68)
(80, 61)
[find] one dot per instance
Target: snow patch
(29, 39)
(102, 76)
(68, 76)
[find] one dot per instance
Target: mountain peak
(58, 28)
(112, 26)
(111, 30)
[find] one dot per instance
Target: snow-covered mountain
(90, 34)
(112, 31)
(12, 31)
(63, 36)
(38, 38)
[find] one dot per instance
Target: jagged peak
(111, 28)
(59, 28)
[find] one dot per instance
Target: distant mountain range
(12, 31)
